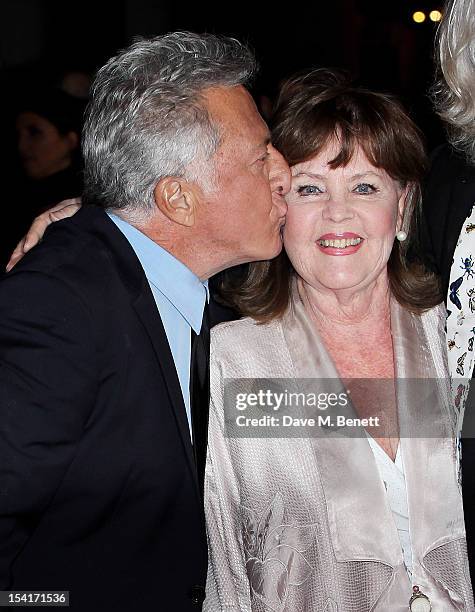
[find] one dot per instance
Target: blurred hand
(66, 208)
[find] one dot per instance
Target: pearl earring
(401, 236)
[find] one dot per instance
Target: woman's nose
(337, 210)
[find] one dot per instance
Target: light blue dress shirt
(180, 297)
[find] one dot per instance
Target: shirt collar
(167, 274)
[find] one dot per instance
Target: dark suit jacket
(98, 487)
(448, 197)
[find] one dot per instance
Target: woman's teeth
(340, 243)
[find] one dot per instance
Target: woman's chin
(342, 283)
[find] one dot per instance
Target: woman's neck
(356, 331)
(353, 311)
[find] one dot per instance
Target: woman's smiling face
(341, 222)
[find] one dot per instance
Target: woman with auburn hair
(360, 511)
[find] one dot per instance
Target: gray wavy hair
(454, 94)
(146, 119)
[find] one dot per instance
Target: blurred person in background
(48, 127)
(449, 214)
(76, 83)
(49, 133)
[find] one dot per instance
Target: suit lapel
(426, 426)
(147, 312)
(361, 526)
(133, 276)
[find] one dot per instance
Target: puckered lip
(339, 235)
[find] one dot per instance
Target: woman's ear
(177, 199)
(401, 206)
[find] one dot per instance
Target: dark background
(377, 41)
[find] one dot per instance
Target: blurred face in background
(43, 150)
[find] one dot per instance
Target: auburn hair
(312, 110)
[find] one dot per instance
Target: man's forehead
(234, 110)
(220, 97)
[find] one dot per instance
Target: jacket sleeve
(227, 588)
(47, 391)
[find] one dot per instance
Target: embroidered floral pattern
(273, 550)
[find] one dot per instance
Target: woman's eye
(365, 188)
(309, 190)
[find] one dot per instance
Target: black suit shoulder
(448, 196)
(84, 250)
(448, 166)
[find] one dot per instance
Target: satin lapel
(146, 309)
(359, 516)
(427, 445)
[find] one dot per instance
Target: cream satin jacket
(303, 524)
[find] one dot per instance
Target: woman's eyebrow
(364, 174)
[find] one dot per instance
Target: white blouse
(392, 475)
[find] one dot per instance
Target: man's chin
(273, 250)
(270, 251)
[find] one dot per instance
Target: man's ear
(177, 199)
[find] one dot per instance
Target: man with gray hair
(101, 449)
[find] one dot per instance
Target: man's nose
(279, 172)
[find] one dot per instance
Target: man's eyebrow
(265, 143)
(310, 175)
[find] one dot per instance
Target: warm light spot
(419, 16)
(435, 15)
